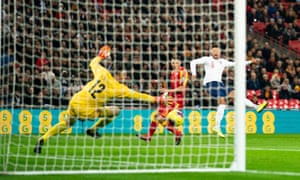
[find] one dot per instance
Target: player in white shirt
(214, 66)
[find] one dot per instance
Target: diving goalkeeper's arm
(104, 53)
(121, 90)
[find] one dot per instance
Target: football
(176, 116)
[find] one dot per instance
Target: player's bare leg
(107, 115)
(59, 127)
(219, 116)
(152, 129)
(178, 135)
(250, 104)
(153, 125)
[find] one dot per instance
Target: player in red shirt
(178, 82)
(169, 114)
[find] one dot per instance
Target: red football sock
(152, 128)
(170, 127)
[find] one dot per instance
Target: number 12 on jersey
(98, 87)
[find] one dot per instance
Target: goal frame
(239, 163)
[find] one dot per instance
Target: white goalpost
(240, 86)
(46, 47)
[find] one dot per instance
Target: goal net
(46, 48)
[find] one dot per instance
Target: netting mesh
(46, 47)
(56, 40)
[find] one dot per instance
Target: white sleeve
(248, 62)
(230, 63)
(193, 64)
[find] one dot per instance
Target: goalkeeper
(89, 103)
(168, 113)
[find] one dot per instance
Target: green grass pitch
(268, 156)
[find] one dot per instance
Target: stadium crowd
(48, 45)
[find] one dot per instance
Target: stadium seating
(282, 103)
(259, 27)
(250, 94)
(275, 102)
(272, 104)
(294, 104)
(275, 94)
(294, 45)
(298, 22)
(258, 92)
(285, 5)
(260, 101)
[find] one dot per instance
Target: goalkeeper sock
(250, 104)
(101, 123)
(170, 127)
(152, 128)
(59, 127)
(219, 115)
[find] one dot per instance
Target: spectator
(136, 86)
(143, 47)
(29, 98)
(290, 69)
(266, 51)
(288, 34)
(55, 98)
(275, 80)
(257, 13)
(296, 26)
(266, 93)
(123, 78)
(55, 85)
(42, 61)
(155, 69)
(281, 10)
(253, 83)
(7, 58)
(17, 99)
(195, 93)
(272, 9)
(258, 55)
(251, 16)
(60, 14)
(144, 86)
(271, 63)
(298, 71)
(264, 81)
(296, 88)
(65, 83)
(230, 78)
(285, 91)
(280, 67)
(76, 85)
(272, 29)
(290, 16)
(145, 71)
(43, 98)
(281, 27)
(47, 74)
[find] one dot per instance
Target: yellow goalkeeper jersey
(105, 87)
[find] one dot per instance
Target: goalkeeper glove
(104, 52)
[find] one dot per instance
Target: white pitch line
(273, 173)
(272, 149)
(134, 164)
